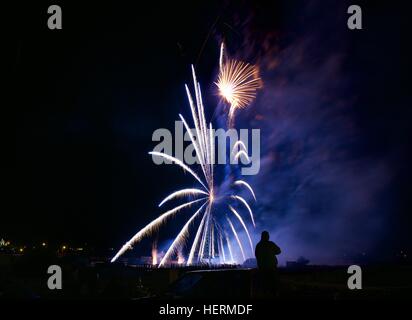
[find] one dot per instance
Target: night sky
(335, 116)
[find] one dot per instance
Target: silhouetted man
(266, 252)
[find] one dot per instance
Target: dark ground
(25, 277)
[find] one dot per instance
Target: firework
(211, 236)
(180, 258)
(154, 253)
(237, 82)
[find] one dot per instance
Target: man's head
(265, 236)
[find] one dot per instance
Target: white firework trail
(229, 247)
(178, 242)
(243, 225)
(221, 56)
(243, 201)
(179, 163)
(196, 146)
(241, 153)
(204, 237)
(196, 241)
(155, 224)
(236, 237)
(247, 185)
(222, 249)
(239, 144)
(181, 193)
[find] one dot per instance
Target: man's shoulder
(272, 244)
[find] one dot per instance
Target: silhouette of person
(266, 252)
(267, 262)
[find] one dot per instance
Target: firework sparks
(154, 253)
(178, 242)
(152, 226)
(247, 185)
(237, 83)
(181, 193)
(180, 258)
(243, 225)
(237, 237)
(211, 237)
(244, 202)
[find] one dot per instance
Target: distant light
(21, 249)
(64, 247)
(43, 244)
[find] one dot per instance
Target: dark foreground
(25, 277)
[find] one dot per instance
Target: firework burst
(237, 82)
(212, 235)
